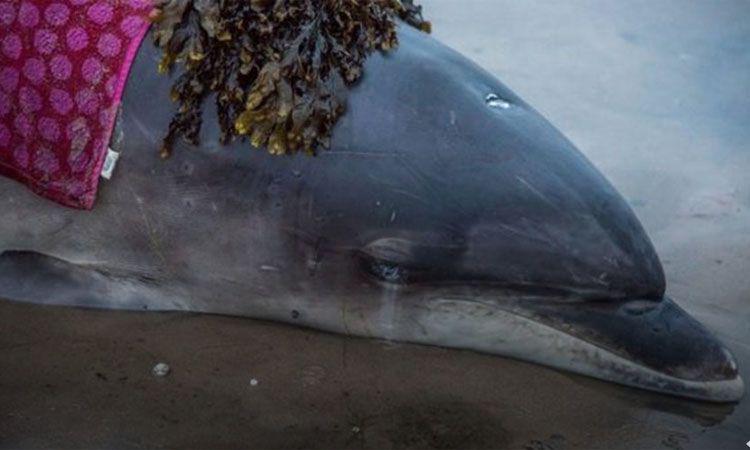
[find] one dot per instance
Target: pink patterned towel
(63, 66)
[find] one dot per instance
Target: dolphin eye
(386, 271)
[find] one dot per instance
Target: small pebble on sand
(161, 370)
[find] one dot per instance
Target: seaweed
(280, 69)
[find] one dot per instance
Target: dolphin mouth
(648, 344)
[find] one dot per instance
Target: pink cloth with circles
(63, 66)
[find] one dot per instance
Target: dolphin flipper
(37, 278)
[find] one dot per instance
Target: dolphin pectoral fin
(34, 277)
(649, 344)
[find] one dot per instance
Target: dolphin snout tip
(727, 391)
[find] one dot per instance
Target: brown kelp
(280, 69)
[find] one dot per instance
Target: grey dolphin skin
(447, 212)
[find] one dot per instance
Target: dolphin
(447, 212)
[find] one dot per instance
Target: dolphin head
(443, 175)
(444, 191)
(446, 212)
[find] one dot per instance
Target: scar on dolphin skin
(155, 243)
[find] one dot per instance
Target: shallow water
(656, 94)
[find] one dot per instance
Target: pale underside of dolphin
(447, 212)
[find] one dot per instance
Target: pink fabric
(63, 67)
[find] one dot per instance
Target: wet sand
(656, 94)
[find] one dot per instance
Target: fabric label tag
(109, 163)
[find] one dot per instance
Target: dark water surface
(655, 93)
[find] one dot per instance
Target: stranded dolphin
(447, 212)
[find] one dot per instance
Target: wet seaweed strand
(280, 69)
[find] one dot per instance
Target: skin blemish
(494, 101)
